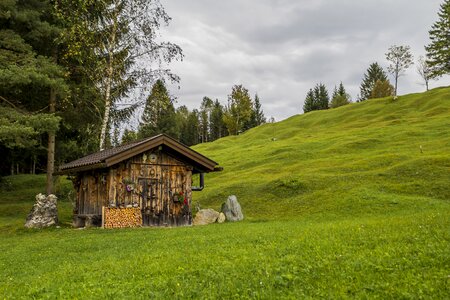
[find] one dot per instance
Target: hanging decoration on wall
(129, 184)
(179, 198)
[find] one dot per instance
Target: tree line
(206, 124)
(67, 67)
(375, 82)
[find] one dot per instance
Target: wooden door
(164, 197)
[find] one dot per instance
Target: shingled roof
(110, 157)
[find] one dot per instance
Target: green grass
(347, 203)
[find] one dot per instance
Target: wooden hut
(153, 175)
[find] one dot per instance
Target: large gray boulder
(205, 217)
(44, 212)
(232, 209)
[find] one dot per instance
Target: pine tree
(128, 136)
(258, 112)
(339, 97)
(321, 98)
(159, 113)
(308, 105)
(438, 51)
(30, 74)
(191, 131)
(218, 128)
(316, 99)
(374, 72)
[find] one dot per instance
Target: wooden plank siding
(158, 184)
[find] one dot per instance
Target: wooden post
(103, 216)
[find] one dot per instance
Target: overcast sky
(282, 48)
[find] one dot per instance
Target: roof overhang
(200, 163)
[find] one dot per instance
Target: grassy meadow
(352, 202)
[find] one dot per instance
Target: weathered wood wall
(154, 181)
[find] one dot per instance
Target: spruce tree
(321, 97)
(191, 131)
(438, 51)
(218, 128)
(258, 112)
(159, 113)
(316, 99)
(308, 105)
(128, 136)
(339, 97)
(374, 72)
(30, 75)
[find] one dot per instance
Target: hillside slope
(343, 204)
(378, 156)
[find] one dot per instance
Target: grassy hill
(347, 203)
(379, 156)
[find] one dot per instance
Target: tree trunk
(34, 165)
(109, 78)
(51, 147)
(105, 120)
(395, 90)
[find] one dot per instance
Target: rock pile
(44, 212)
(231, 211)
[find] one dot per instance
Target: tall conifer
(438, 51)
(374, 72)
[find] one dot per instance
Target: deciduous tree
(128, 51)
(382, 89)
(238, 110)
(424, 70)
(205, 116)
(400, 59)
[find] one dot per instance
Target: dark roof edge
(81, 169)
(162, 139)
(138, 147)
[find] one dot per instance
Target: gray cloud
(282, 48)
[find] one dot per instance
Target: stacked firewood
(114, 217)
